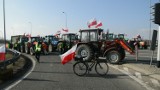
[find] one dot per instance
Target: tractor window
(50, 38)
(93, 36)
(104, 36)
(24, 39)
(84, 36)
(14, 39)
(121, 36)
(65, 37)
(73, 37)
(33, 39)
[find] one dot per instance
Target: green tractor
(66, 42)
(18, 42)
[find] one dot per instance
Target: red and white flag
(99, 24)
(69, 55)
(92, 23)
(2, 53)
(28, 35)
(65, 30)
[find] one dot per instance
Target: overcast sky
(45, 17)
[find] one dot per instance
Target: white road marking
(155, 82)
(126, 69)
(138, 75)
(134, 78)
(20, 79)
(116, 66)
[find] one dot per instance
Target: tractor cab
(91, 35)
(70, 37)
(67, 41)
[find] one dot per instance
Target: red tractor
(93, 41)
(30, 45)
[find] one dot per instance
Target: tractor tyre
(26, 50)
(22, 49)
(85, 51)
(50, 48)
(60, 48)
(113, 57)
(31, 51)
(123, 54)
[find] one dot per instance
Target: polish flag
(92, 23)
(28, 35)
(65, 30)
(99, 24)
(69, 55)
(2, 53)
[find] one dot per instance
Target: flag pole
(4, 28)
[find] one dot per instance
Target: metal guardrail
(16, 56)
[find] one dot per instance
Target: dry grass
(12, 69)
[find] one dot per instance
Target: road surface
(50, 74)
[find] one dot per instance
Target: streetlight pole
(4, 23)
(4, 30)
(66, 18)
(31, 27)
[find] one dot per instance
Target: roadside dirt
(18, 69)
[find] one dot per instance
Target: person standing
(38, 47)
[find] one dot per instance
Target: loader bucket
(126, 46)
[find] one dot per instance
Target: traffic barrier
(10, 61)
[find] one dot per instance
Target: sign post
(158, 50)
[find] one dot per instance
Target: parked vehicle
(67, 41)
(112, 36)
(144, 44)
(52, 42)
(91, 43)
(18, 42)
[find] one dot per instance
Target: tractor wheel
(123, 54)
(22, 50)
(85, 51)
(60, 48)
(113, 57)
(31, 51)
(50, 48)
(26, 50)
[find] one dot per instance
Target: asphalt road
(50, 74)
